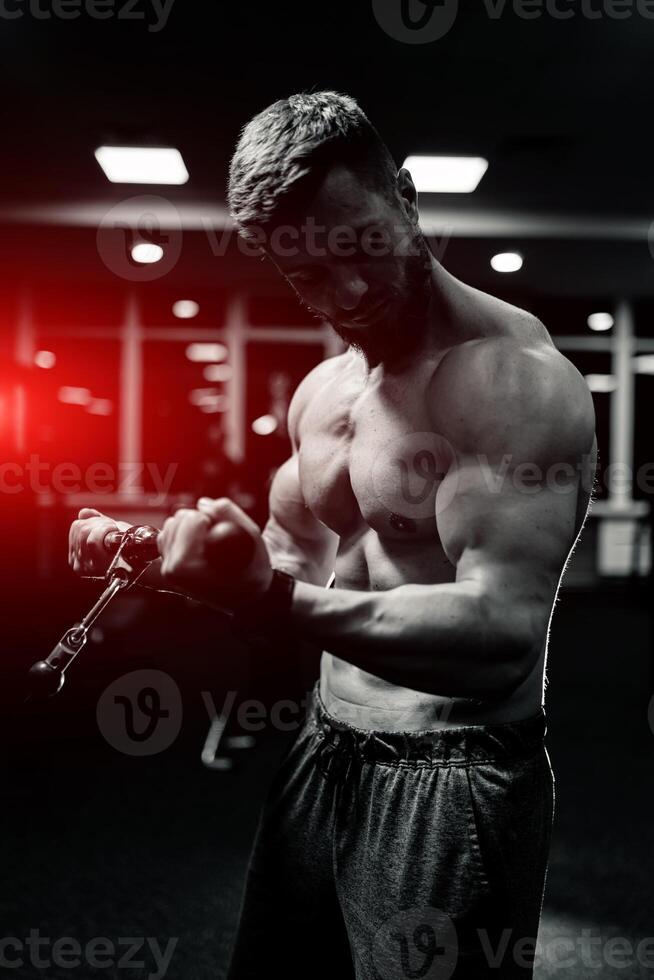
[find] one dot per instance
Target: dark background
(97, 842)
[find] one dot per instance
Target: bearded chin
(385, 342)
(400, 331)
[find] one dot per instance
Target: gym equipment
(135, 549)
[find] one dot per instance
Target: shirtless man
(441, 468)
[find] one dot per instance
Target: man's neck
(439, 331)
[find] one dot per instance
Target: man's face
(357, 260)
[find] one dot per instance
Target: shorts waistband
(447, 746)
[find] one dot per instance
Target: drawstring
(341, 757)
(342, 752)
(335, 757)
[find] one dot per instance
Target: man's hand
(87, 554)
(190, 547)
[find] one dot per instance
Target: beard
(403, 325)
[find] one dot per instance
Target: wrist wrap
(271, 611)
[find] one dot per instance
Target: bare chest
(369, 458)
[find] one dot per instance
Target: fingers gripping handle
(229, 548)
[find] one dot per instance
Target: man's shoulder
(504, 358)
(509, 391)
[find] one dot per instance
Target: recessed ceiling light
(186, 309)
(601, 383)
(644, 364)
(70, 395)
(206, 352)
(208, 400)
(147, 253)
(265, 425)
(142, 164)
(212, 407)
(507, 262)
(217, 372)
(100, 406)
(445, 174)
(198, 396)
(600, 321)
(45, 359)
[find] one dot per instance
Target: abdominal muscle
(368, 702)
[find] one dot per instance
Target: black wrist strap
(272, 610)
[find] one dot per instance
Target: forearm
(439, 639)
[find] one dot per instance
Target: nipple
(400, 523)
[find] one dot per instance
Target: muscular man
(441, 468)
